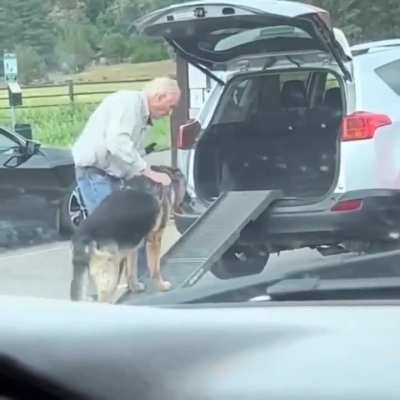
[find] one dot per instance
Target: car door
(26, 209)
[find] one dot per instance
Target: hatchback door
(211, 34)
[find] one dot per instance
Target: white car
(292, 109)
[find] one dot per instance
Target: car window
(331, 82)
(390, 74)
(245, 36)
(247, 97)
(293, 76)
(235, 102)
(6, 142)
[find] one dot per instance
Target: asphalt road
(45, 271)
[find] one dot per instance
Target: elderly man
(110, 148)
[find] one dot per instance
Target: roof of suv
(376, 46)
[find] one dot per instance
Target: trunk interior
(273, 131)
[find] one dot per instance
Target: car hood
(205, 352)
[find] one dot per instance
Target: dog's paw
(164, 286)
(137, 287)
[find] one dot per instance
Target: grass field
(59, 125)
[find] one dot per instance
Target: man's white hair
(161, 85)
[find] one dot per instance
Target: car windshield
(133, 169)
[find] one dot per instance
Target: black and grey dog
(106, 243)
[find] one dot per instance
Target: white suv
(293, 109)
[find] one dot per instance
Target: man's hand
(158, 177)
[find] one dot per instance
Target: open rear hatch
(279, 141)
(211, 34)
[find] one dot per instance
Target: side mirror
(22, 154)
(31, 147)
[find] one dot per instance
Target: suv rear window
(244, 36)
(254, 94)
(390, 74)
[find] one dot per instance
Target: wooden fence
(68, 93)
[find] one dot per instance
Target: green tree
(94, 8)
(7, 27)
(146, 50)
(364, 20)
(73, 49)
(115, 47)
(385, 16)
(30, 65)
(33, 27)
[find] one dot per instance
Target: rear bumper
(286, 226)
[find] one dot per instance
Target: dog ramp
(213, 234)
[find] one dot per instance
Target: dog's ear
(178, 182)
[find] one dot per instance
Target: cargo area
(276, 130)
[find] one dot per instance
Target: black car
(38, 197)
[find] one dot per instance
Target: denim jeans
(95, 186)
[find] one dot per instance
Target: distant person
(110, 148)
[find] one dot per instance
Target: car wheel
(72, 213)
(240, 261)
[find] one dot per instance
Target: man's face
(163, 105)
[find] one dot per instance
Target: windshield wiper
(320, 289)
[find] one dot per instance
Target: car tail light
(363, 125)
(348, 205)
(187, 135)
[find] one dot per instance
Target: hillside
(125, 71)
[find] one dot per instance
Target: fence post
(71, 90)
(181, 113)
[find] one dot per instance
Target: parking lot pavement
(45, 271)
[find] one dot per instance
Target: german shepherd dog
(105, 244)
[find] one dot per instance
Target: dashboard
(55, 349)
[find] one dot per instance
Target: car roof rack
(378, 45)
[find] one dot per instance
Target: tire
(71, 212)
(240, 261)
